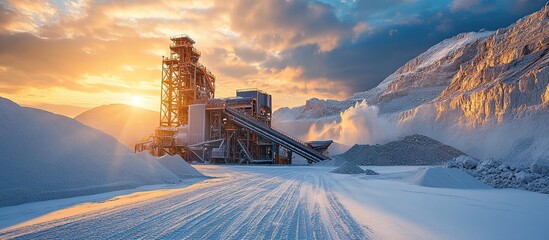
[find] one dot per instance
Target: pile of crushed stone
(348, 168)
(499, 175)
(412, 150)
(370, 172)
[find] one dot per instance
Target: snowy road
(242, 203)
(287, 202)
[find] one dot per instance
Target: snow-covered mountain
(128, 124)
(419, 81)
(485, 93)
(45, 156)
(423, 78)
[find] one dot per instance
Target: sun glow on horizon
(137, 101)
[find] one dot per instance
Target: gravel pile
(348, 168)
(412, 150)
(533, 178)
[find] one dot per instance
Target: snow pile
(175, 163)
(499, 175)
(334, 161)
(440, 177)
(348, 168)
(47, 156)
(412, 150)
(179, 166)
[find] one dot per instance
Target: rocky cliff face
(423, 78)
(496, 105)
(507, 78)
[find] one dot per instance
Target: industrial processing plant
(202, 128)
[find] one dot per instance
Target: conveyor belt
(275, 136)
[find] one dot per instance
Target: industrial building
(200, 127)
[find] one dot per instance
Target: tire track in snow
(249, 203)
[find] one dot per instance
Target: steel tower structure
(184, 82)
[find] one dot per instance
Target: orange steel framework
(184, 82)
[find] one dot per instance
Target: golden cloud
(86, 53)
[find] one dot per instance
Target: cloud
(359, 29)
(91, 52)
(28, 15)
(7, 16)
(45, 62)
(463, 4)
(356, 65)
(276, 25)
(251, 55)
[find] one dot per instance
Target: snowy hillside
(128, 124)
(45, 156)
(485, 93)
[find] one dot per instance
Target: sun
(137, 101)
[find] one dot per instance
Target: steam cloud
(360, 124)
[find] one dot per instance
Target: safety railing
(290, 136)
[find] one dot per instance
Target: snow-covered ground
(13, 215)
(299, 202)
(47, 156)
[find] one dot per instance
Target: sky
(68, 56)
